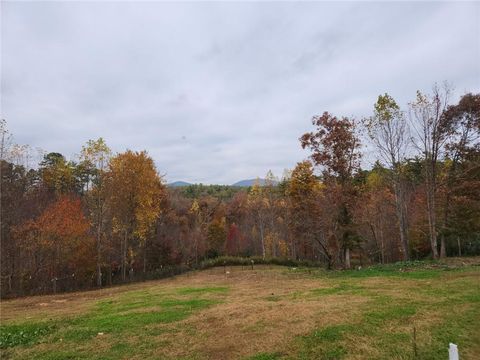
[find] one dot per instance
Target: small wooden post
(54, 280)
(252, 263)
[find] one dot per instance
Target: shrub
(257, 260)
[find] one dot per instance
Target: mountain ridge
(241, 183)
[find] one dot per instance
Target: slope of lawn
(265, 313)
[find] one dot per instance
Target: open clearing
(265, 313)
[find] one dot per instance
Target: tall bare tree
(388, 129)
(4, 145)
(430, 137)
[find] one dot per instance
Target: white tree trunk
(347, 258)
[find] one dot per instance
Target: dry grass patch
(265, 313)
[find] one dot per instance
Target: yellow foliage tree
(135, 193)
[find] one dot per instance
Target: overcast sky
(219, 92)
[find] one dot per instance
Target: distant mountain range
(241, 183)
(179, 184)
(251, 182)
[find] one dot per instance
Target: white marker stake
(453, 352)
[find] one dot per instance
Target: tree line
(103, 217)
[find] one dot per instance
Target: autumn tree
(258, 205)
(57, 242)
(271, 194)
(431, 134)
(238, 213)
(134, 191)
(388, 130)
(459, 176)
(203, 212)
(232, 246)
(95, 155)
(334, 147)
(302, 196)
(216, 237)
(19, 202)
(200, 219)
(374, 214)
(304, 219)
(58, 174)
(173, 241)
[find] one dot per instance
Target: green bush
(257, 260)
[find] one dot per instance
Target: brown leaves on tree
(334, 146)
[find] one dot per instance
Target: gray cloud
(217, 92)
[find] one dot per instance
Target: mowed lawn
(264, 313)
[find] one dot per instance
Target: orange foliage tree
(57, 243)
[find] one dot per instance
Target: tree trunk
(99, 239)
(432, 223)
(196, 249)
(262, 240)
(347, 258)
(379, 239)
(145, 256)
(382, 244)
(99, 275)
(459, 246)
(294, 248)
(99, 260)
(443, 252)
(402, 219)
(430, 184)
(109, 275)
(124, 257)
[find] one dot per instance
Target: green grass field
(265, 313)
